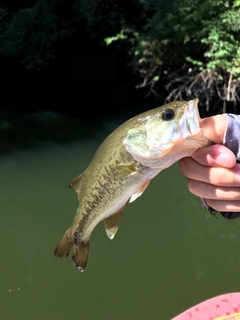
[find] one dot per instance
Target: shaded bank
(85, 80)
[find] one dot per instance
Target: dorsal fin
(75, 183)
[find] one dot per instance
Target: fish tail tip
(64, 247)
(80, 255)
(81, 269)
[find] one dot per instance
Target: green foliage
(106, 18)
(194, 45)
(31, 34)
(224, 43)
(221, 58)
(168, 37)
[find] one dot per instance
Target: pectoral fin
(139, 191)
(128, 169)
(112, 222)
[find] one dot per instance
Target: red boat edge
(223, 307)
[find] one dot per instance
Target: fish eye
(168, 114)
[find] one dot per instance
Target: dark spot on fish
(168, 114)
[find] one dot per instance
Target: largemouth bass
(123, 167)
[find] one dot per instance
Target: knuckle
(216, 178)
(193, 186)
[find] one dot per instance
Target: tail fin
(80, 255)
(64, 246)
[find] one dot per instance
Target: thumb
(215, 155)
(213, 128)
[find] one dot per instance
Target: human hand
(212, 171)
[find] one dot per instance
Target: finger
(217, 176)
(208, 191)
(214, 127)
(224, 206)
(215, 155)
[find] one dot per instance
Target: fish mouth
(192, 122)
(192, 117)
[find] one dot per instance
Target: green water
(168, 255)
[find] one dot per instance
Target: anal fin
(139, 191)
(112, 222)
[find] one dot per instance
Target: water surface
(168, 254)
